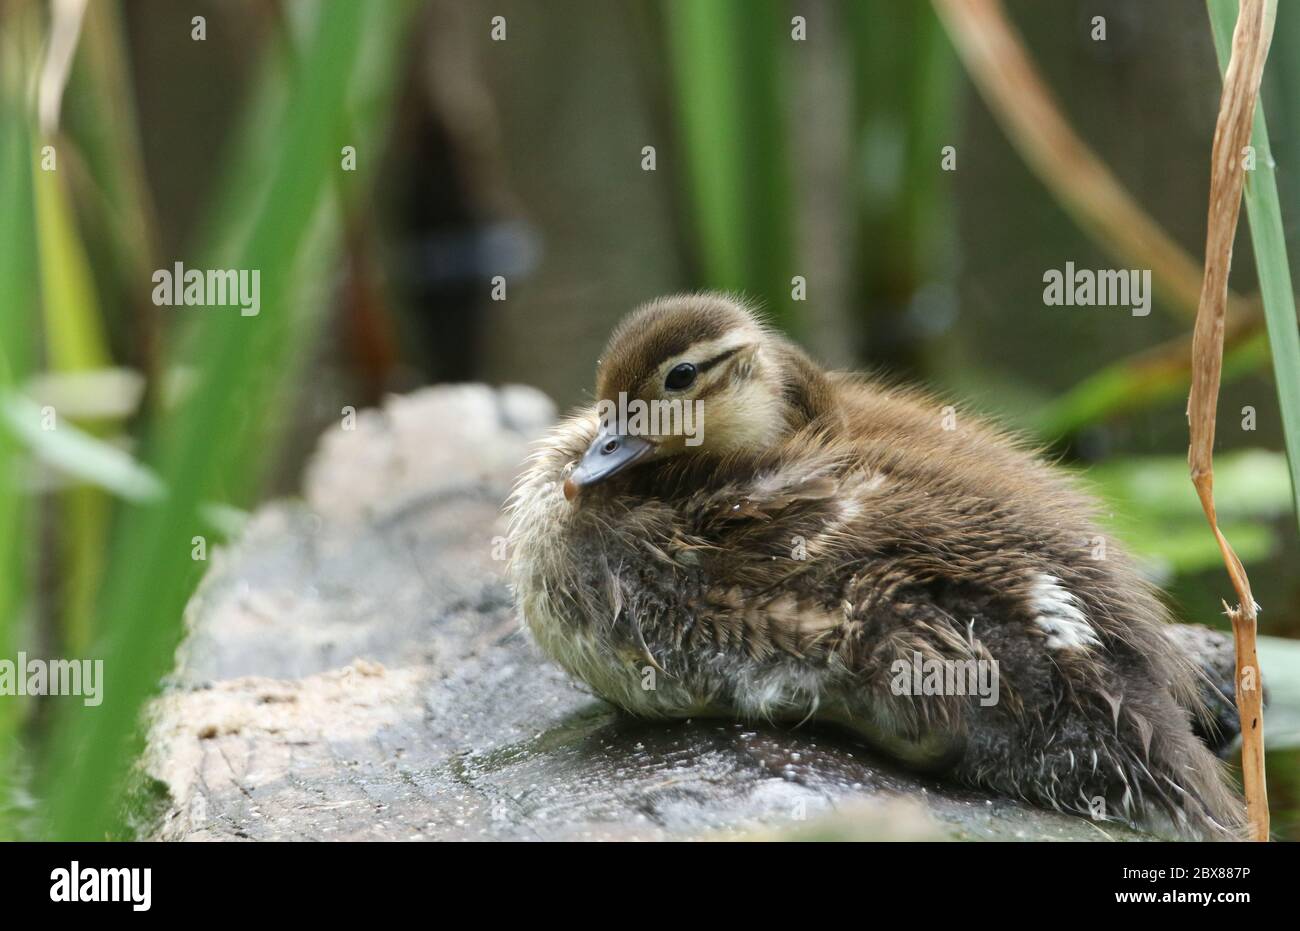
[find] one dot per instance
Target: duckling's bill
(608, 454)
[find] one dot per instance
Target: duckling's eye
(682, 376)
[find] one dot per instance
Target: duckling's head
(696, 374)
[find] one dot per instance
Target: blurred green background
(776, 154)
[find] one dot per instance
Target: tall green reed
(728, 90)
(210, 447)
(17, 346)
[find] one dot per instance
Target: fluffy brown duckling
(818, 545)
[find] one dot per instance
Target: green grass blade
(208, 450)
(93, 461)
(1130, 385)
(75, 342)
(17, 301)
(725, 57)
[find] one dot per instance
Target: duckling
(821, 545)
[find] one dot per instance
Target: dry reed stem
(1250, 42)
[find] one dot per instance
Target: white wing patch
(1060, 616)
